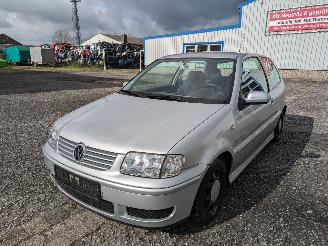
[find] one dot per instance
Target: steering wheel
(214, 88)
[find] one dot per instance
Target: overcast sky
(35, 21)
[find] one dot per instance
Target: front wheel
(210, 195)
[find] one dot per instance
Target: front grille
(149, 214)
(94, 158)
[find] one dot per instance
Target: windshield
(189, 80)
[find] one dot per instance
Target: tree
(61, 36)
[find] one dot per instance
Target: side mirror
(257, 97)
(124, 84)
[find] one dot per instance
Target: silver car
(168, 144)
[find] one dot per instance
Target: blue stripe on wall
(213, 29)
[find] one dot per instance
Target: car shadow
(263, 175)
(15, 81)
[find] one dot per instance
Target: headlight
(152, 166)
(172, 166)
(53, 138)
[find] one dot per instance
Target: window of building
(190, 48)
(203, 47)
(215, 47)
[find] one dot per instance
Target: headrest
(196, 76)
(212, 72)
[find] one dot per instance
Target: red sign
(306, 19)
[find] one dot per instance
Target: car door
(250, 121)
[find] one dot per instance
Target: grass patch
(76, 67)
(3, 63)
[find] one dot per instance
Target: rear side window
(271, 71)
(226, 68)
(253, 78)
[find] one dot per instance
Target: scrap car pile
(116, 55)
(125, 55)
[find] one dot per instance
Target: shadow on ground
(263, 175)
(25, 81)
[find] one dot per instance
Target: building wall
(100, 38)
(290, 51)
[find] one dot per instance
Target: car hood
(121, 123)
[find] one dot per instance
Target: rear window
(271, 72)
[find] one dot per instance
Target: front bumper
(176, 201)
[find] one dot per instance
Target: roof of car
(229, 55)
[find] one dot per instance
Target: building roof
(4, 39)
(131, 39)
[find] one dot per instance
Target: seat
(213, 74)
(194, 81)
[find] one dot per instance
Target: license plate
(76, 182)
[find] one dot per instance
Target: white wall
(290, 51)
(100, 38)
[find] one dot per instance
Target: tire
(209, 199)
(279, 128)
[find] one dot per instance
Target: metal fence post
(104, 59)
(141, 52)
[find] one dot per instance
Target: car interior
(209, 83)
(205, 81)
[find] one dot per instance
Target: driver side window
(253, 77)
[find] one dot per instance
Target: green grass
(77, 67)
(3, 63)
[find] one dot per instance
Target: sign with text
(300, 20)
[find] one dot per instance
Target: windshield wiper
(152, 96)
(132, 93)
(165, 97)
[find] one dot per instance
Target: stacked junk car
(117, 53)
(114, 55)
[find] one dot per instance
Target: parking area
(280, 199)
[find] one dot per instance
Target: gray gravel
(280, 199)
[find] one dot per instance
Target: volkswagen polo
(167, 145)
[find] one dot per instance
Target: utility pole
(76, 22)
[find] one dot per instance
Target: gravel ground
(15, 81)
(280, 199)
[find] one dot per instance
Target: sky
(35, 21)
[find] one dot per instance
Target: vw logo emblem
(79, 152)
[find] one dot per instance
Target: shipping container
(42, 56)
(17, 54)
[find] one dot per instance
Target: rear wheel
(210, 195)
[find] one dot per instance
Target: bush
(3, 63)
